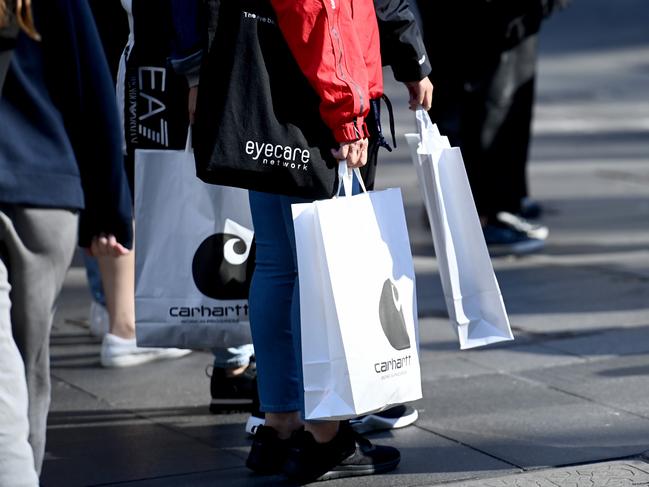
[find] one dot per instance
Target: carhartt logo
(391, 317)
(223, 263)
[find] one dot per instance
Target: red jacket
(336, 45)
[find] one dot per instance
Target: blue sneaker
(503, 240)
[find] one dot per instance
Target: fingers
(106, 246)
(354, 153)
(421, 94)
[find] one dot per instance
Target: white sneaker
(98, 320)
(255, 420)
(124, 352)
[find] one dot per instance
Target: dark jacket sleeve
(81, 87)
(402, 46)
(189, 18)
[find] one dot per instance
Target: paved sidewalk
(565, 404)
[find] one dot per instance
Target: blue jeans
(94, 279)
(274, 304)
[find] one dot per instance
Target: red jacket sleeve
(322, 36)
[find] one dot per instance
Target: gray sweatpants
(36, 248)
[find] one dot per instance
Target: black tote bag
(258, 124)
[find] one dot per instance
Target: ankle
(323, 432)
(284, 423)
(233, 372)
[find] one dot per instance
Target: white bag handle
(188, 144)
(346, 178)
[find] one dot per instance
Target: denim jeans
(274, 304)
(94, 279)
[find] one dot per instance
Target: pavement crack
(466, 445)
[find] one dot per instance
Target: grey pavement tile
(426, 458)
(608, 474)
(621, 382)
(570, 289)
(519, 358)
(605, 343)
(92, 447)
(180, 382)
(529, 424)
(232, 477)
(91, 441)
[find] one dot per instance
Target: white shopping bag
(473, 299)
(194, 256)
(358, 307)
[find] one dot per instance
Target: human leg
(39, 255)
(323, 449)
(119, 347)
(233, 383)
(16, 455)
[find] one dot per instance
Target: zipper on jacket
(348, 79)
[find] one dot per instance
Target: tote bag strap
(346, 178)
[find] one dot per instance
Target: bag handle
(188, 144)
(346, 178)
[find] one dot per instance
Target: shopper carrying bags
(335, 46)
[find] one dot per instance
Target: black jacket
(402, 45)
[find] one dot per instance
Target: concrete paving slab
(608, 474)
(234, 477)
(180, 382)
(124, 449)
(426, 458)
(621, 383)
(519, 358)
(606, 343)
(528, 424)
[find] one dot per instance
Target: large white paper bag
(194, 256)
(358, 305)
(471, 291)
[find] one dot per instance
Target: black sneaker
(231, 394)
(392, 418)
(347, 455)
(268, 452)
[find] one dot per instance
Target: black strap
(376, 108)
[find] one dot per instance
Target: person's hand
(191, 103)
(106, 246)
(355, 153)
(421, 93)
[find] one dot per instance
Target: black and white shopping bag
(194, 256)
